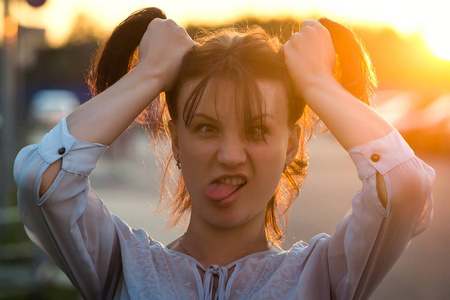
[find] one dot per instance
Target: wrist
(149, 77)
(319, 84)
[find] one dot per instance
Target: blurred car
(423, 121)
(48, 107)
(399, 106)
(429, 128)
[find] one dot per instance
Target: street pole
(8, 105)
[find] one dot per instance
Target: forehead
(227, 98)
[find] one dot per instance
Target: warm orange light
(11, 27)
(436, 38)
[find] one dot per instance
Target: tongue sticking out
(218, 191)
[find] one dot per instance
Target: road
(130, 188)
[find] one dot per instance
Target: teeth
(232, 181)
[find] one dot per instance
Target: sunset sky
(429, 19)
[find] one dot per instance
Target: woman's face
(231, 173)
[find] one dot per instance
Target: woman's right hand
(106, 116)
(162, 49)
(111, 112)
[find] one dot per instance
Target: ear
(173, 128)
(293, 143)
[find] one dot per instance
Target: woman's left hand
(309, 56)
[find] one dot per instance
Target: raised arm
(106, 116)
(62, 214)
(310, 57)
(311, 60)
(369, 240)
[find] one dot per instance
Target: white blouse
(106, 259)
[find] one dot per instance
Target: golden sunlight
(59, 17)
(435, 36)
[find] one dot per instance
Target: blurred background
(46, 49)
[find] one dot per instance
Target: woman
(239, 126)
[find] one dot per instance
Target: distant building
(29, 41)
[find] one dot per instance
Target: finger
(315, 28)
(295, 36)
(310, 23)
(156, 21)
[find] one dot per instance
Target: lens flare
(435, 35)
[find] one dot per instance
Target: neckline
(229, 266)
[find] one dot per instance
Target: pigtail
(117, 56)
(354, 69)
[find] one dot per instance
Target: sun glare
(436, 38)
(58, 17)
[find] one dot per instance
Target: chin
(235, 220)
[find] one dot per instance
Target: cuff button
(375, 157)
(61, 151)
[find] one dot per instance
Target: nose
(231, 151)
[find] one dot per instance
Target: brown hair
(246, 57)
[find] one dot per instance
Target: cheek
(270, 159)
(273, 153)
(196, 158)
(193, 151)
(268, 168)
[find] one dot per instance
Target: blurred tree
(401, 62)
(85, 31)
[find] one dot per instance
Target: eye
(207, 129)
(257, 133)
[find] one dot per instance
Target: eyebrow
(205, 116)
(212, 119)
(262, 118)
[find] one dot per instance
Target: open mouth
(224, 187)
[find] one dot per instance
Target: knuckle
(310, 23)
(296, 36)
(308, 29)
(156, 21)
(171, 22)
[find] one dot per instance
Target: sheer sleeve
(69, 222)
(369, 240)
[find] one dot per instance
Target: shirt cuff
(380, 155)
(78, 157)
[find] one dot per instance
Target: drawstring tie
(208, 282)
